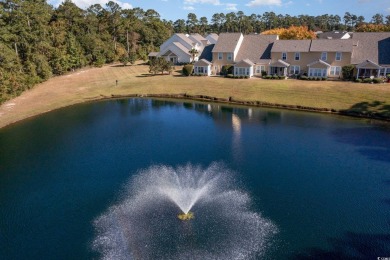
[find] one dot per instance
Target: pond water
(321, 182)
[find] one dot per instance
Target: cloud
(264, 2)
(188, 8)
(231, 7)
(192, 2)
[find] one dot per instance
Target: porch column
(357, 75)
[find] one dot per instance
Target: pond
(319, 183)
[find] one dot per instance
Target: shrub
(388, 76)
(318, 78)
(347, 72)
(230, 76)
(358, 80)
(241, 77)
(275, 77)
(324, 78)
(311, 78)
(247, 77)
(367, 80)
(264, 73)
(227, 69)
(282, 77)
(187, 69)
(377, 80)
(303, 78)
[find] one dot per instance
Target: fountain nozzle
(186, 216)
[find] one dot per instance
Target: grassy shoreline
(348, 98)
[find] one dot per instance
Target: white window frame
(295, 69)
(317, 72)
(335, 71)
(229, 56)
(259, 69)
(220, 55)
(339, 56)
(297, 56)
(324, 56)
(284, 55)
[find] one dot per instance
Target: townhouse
(255, 54)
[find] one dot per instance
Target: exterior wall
(204, 70)
(258, 68)
(217, 64)
(308, 57)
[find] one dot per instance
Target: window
(220, 55)
(382, 72)
(314, 72)
(297, 56)
(229, 56)
(335, 71)
(324, 56)
(294, 70)
(284, 55)
(338, 55)
(259, 69)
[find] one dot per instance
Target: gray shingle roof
(321, 45)
(371, 46)
(280, 63)
(212, 37)
(181, 47)
(227, 42)
(196, 37)
(318, 61)
(202, 63)
(244, 63)
(185, 38)
(256, 47)
(291, 46)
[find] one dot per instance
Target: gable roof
(319, 61)
(291, 46)
(202, 63)
(244, 63)
(256, 47)
(368, 64)
(281, 64)
(321, 45)
(371, 46)
(185, 38)
(227, 42)
(333, 35)
(196, 38)
(212, 38)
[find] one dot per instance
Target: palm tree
(194, 52)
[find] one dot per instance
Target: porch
(279, 68)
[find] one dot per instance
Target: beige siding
(309, 57)
(219, 63)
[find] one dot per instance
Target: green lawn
(96, 83)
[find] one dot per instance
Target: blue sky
(178, 9)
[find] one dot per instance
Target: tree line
(38, 41)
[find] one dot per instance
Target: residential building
(371, 54)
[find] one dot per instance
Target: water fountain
(144, 223)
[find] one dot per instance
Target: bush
(236, 77)
(282, 77)
(230, 76)
(247, 77)
(388, 76)
(227, 69)
(311, 78)
(264, 73)
(324, 78)
(318, 78)
(347, 72)
(275, 77)
(241, 77)
(187, 69)
(367, 80)
(358, 80)
(303, 78)
(377, 80)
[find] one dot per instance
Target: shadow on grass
(374, 109)
(351, 246)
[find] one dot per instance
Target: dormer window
(297, 56)
(324, 56)
(284, 55)
(230, 56)
(338, 55)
